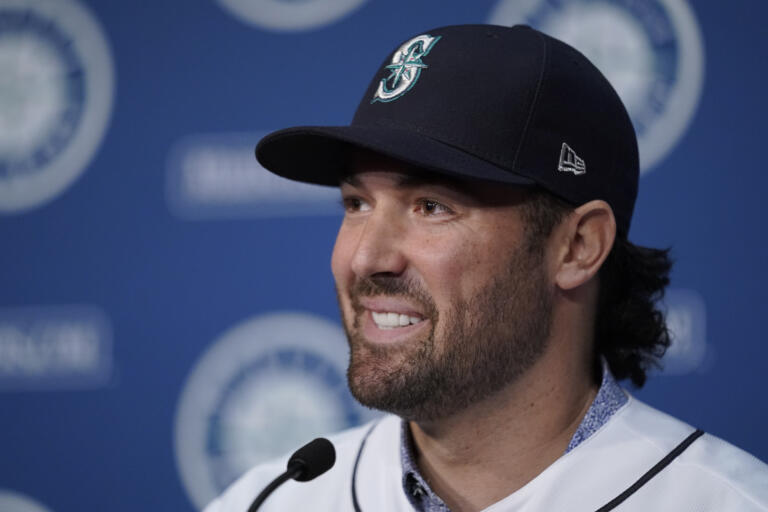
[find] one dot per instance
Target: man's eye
(432, 207)
(354, 204)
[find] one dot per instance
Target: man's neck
(482, 454)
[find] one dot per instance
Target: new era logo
(570, 161)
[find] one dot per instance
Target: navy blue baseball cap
(482, 102)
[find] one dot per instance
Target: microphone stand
(293, 471)
(308, 462)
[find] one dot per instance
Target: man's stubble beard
(484, 344)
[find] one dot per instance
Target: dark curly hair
(630, 331)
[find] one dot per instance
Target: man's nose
(379, 249)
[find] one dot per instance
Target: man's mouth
(390, 320)
(387, 318)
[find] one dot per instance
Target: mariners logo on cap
(405, 68)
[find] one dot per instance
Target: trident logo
(405, 68)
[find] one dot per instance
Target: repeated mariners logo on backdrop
(405, 68)
(650, 50)
(264, 388)
(14, 502)
(686, 319)
(56, 86)
(290, 15)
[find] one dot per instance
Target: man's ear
(583, 241)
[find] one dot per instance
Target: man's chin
(397, 385)
(377, 380)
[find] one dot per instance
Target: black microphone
(308, 462)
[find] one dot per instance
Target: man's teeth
(393, 320)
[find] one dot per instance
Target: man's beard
(484, 343)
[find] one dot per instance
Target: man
(491, 297)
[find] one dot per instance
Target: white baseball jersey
(709, 475)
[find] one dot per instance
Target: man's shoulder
(717, 469)
(636, 457)
(347, 444)
(719, 464)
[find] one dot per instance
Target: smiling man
(491, 297)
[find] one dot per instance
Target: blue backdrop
(167, 313)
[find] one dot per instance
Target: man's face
(443, 298)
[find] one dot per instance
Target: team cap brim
(323, 154)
